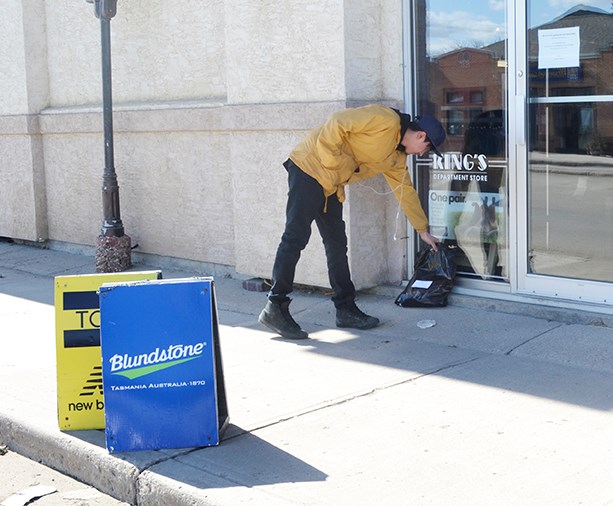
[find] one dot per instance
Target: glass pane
(583, 68)
(570, 158)
(461, 79)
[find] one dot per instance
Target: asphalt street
(25, 481)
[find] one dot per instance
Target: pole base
(113, 254)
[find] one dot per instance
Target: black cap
(434, 131)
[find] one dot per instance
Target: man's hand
(429, 239)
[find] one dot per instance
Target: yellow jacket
(357, 144)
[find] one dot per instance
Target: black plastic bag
(432, 280)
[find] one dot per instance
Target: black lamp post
(113, 245)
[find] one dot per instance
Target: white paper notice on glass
(559, 47)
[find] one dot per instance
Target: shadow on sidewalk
(218, 466)
(538, 378)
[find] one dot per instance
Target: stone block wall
(209, 98)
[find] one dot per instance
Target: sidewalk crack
(338, 402)
(165, 458)
(507, 353)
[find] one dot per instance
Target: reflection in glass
(570, 157)
(461, 79)
(461, 64)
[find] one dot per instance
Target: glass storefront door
(524, 188)
(461, 78)
(569, 151)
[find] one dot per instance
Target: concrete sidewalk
(486, 407)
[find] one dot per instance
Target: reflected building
(569, 133)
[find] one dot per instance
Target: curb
(75, 457)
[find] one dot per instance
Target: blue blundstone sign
(161, 365)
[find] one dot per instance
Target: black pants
(305, 204)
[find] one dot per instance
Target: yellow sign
(79, 363)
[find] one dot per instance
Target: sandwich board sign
(80, 402)
(161, 365)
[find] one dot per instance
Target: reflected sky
(479, 23)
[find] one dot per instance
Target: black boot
(350, 316)
(276, 317)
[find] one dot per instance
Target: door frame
(522, 281)
(548, 289)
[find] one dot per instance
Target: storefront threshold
(568, 312)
